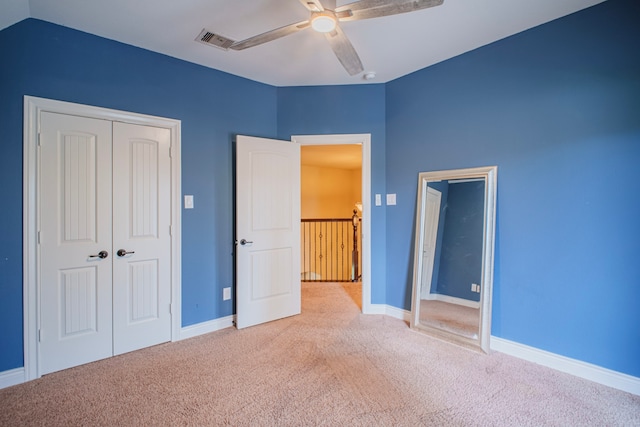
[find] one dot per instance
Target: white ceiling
(391, 46)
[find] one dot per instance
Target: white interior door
(103, 186)
(432, 219)
(141, 237)
(75, 226)
(267, 229)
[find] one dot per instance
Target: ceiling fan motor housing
(323, 22)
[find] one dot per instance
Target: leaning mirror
(453, 258)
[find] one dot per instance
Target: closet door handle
(122, 252)
(101, 254)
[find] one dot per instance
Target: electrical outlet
(226, 294)
(475, 287)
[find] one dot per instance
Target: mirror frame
(489, 174)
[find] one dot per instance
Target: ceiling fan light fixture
(323, 22)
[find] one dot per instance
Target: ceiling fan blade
(269, 36)
(366, 9)
(344, 50)
(313, 5)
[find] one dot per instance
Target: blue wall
(460, 251)
(46, 60)
(557, 109)
(343, 110)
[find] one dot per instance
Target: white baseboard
(398, 313)
(575, 367)
(17, 376)
(453, 300)
(580, 369)
(389, 310)
(375, 309)
(11, 377)
(206, 327)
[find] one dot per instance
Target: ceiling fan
(325, 19)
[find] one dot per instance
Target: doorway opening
(335, 229)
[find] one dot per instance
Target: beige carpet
(330, 366)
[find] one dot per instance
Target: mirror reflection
(453, 267)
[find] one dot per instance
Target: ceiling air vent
(212, 39)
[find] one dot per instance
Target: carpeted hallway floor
(330, 366)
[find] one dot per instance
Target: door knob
(245, 242)
(101, 254)
(122, 252)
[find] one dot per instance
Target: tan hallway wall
(328, 193)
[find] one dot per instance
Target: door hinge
(38, 236)
(39, 139)
(171, 151)
(39, 335)
(171, 230)
(170, 308)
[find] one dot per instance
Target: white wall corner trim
(567, 365)
(206, 327)
(11, 377)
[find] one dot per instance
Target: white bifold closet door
(104, 239)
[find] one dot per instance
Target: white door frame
(33, 106)
(365, 140)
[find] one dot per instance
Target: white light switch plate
(378, 200)
(188, 202)
(391, 199)
(226, 294)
